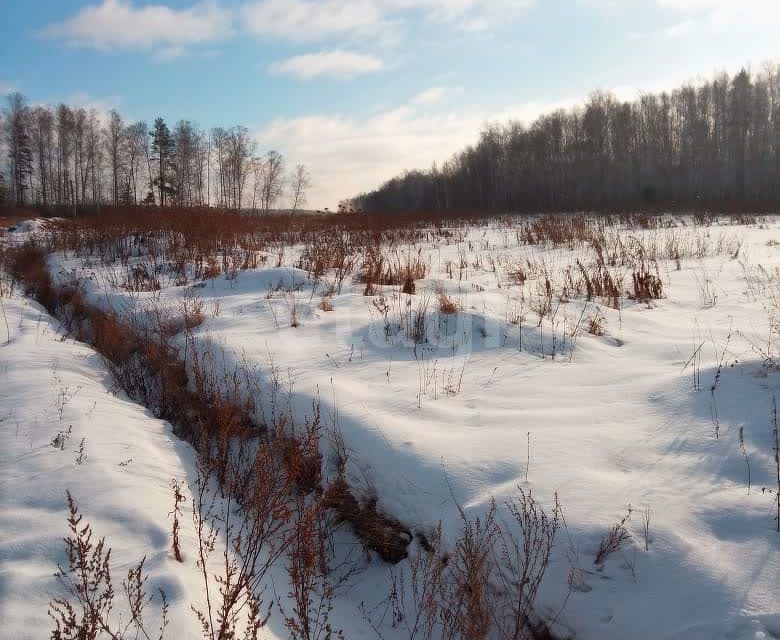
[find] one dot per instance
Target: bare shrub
(293, 308)
(519, 275)
(178, 500)
(706, 288)
(395, 270)
(558, 230)
(370, 288)
(6, 289)
(596, 324)
(484, 586)
(254, 540)
(191, 309)
(58, 442)
(522, 562)
(211, 269)
(329, 251)
(613, 540)
(646, 516)
(88, 610)
(447, 306)
(377, 531)
(414, 593)
(311, 590)
(466, 605)
(142, 277)
(27, 264)
(647, 283)
(776, 451)
(600, 283)
(414, 318)
(82, 457)
(301, 454)
(414, 269)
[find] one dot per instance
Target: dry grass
(647, 283)
(613, 540)
(599, 283)
(379, 532)
(88, 608)
(447, 306)
(559, 230)
(396, 269)
(596, 325)
(484, 584)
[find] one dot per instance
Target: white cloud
(429, 96)
(119, 24)
(713, 5)
(322, 20)
(680, 29)
(720, 15)
(475, 25)
(715, 17)
(170, 53)
(312, 20)
(334, 64)
(458, 9)
(168, 32)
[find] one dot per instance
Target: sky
(360, 90)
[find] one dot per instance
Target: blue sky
(361, 89)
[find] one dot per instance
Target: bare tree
(300, 182)
(114, 140)
(136, 136)
(42, 139)
(272, 180)
(65, 134)
(94, 157)
(257, 180)
(189, 163)
(240, 150)
(218, 136)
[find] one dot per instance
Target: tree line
(73, 157)
(718, 141)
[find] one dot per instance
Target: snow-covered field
(62, 428)
(499, 393)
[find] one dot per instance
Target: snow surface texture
(54, 389)
(614, 420)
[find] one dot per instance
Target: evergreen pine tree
(163, 149)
